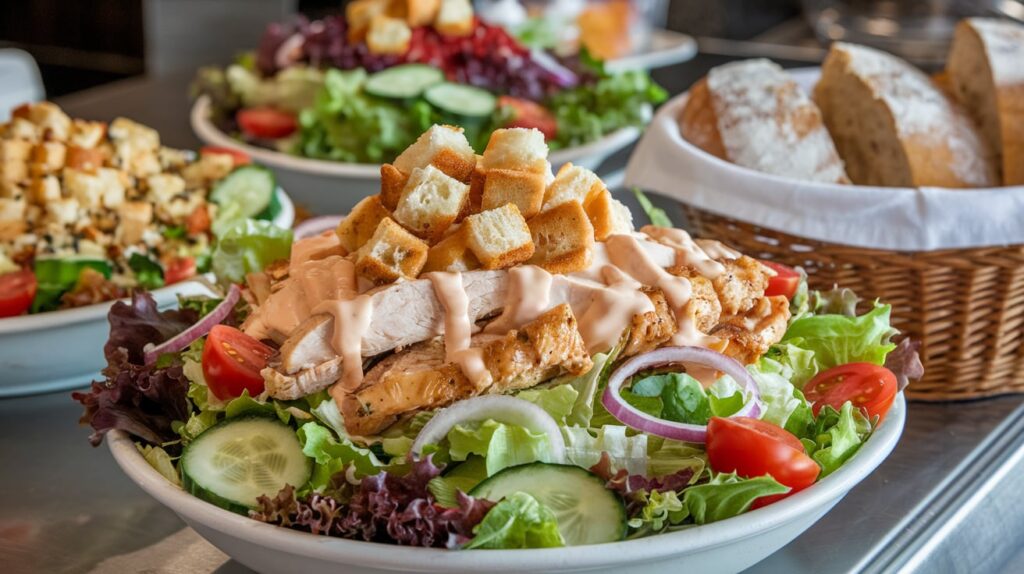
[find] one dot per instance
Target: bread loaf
(986, 72)
(894, 127)
(753, 114)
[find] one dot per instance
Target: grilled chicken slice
(419, 378)
(742, 284)
(302, 383)
(748, 336)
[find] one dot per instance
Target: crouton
(476, 186)
(15, 150)
(86, 134)
(573, 183)
(84, 159)
(414, 12)
(526, 189)
(164, 186)
(431, 202)
(452, 254)
(392, 183)
(517, 148)
(49, 156)
(44, 189)
(135, 219)
(13, 171)
(50, 120)
(444, 147)
(563, 237)
(455, 18)
(499, 237)
(391, 253)
(22, 129)
(608, 216)
(388, 35)
(359, 226)
(359, 14)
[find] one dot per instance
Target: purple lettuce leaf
(133, 326)
(633, 487)
(905, 362)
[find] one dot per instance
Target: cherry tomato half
(751, 447)
(785, 282)
(17, 290)
(528, 114)
(232, 362)
(179, 269)
(237, 157)
(265, 122)
(868, 386)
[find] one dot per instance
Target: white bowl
(62, 350)
(335, 187)
(728, 546)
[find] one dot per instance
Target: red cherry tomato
(785, 281)
(265, 122)
(527, 114)
(232, 362)
(179, 269)
(17, 290)
(868, 386)
(751, 447)
(237, 157)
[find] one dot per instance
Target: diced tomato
(17, 290)
(237, 156)
(751, 447)
(232, 362)
(527, 114)
(266, 122)
(785, 281)
(868, 386)
(198, 221)
(179, 269)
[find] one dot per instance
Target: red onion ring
(202, 327)
(316, 226)
(635, 418)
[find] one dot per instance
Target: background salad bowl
(60, 350)
(727, 546)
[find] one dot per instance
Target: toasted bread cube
(431, 202)
(85, 159)
(392, 183)
(114, 186)
(391, 253)
(86, 188)
(564, 238)
(49, 156)
(526, 189)
(476, 186)
(517, 148)
(44, 189)
(388, 35)
(359, 14)
(164, 186)
(13, 171)
(573, 183)
(123, 130)
(414, 12)
(12, 209)
(452, 254)
(499, 237)
(455, 18)
(360, 224)
(22, 129)
(15, 150)
(444, 147)
(608, 216)
(86, 134)
(51, 121)
(135, 219)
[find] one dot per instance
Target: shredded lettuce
(659, 511)
(584, 447)
(292, 89)
(502, 445)
(247, 247)
(588, 387)
(840, 339)
(162, 462)
(331, 455)
(668, 457)
(837, 436)
(518, 521)
(727, 495)
(558, 400)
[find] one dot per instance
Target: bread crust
(698, 122)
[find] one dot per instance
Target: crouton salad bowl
(90, 212)
(489, 361)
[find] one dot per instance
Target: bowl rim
(199, 117)
(50, 319)
(701, 538)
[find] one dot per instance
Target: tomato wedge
(179, 269)
(232, 362)
(527, 114)
(785, 281)
(868, 386)
(237, 157)
(266, 122)
(751, 447)
(17, 290)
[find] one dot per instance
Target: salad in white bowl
(516, 369)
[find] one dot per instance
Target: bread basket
(951, 262)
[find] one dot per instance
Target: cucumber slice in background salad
(461, 101)
(234, 462)
(587, 512)
(246, 192)
(57, 275)
(403, 82)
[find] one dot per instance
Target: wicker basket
(966, 306)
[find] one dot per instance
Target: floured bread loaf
(986, 72)
(753, 114)
(894, 127)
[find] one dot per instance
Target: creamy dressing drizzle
(351, 320)
(458, 328)
(529, 295)
(688, 251)
(611, 310)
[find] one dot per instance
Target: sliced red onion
(501, 408)
(316, 225)
(202, 327)
(563, 77)
(635, 418)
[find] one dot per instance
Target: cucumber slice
(245, 192)
(461, 100)
(235, 461)
(65, 270)
(587, 512)
(403, 82)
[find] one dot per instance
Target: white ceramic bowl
(728, 546)
(335, 187)
(62, 350)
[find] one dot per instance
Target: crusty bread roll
(986, 72)
(894, 127)
(753, 114)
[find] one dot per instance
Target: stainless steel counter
(946, 500)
